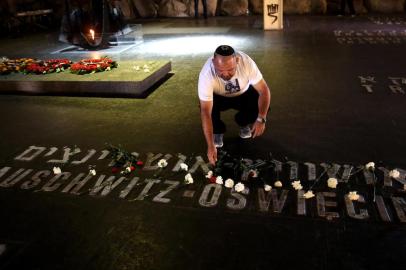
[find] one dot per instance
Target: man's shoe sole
(245, 137)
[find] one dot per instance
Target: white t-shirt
(247, 74)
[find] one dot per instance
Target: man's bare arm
(264, 102)
(207, 125)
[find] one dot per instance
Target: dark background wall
(185, 8)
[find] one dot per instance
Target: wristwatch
(261, 120)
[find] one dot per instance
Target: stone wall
(319, 6)
(333, 6)
(181, 8)
(185, 8)
(297, 7)
(234, 7)
(386, 6)
(256, 6)
(174, 8)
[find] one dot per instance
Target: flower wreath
(45, 67)
(8, 66)
(86, 66)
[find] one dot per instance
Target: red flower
(212, 179)
(115, 170)
(40, 67)
(92, 65)
(140, 163)
(132, 168)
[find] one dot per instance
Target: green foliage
(120, 157)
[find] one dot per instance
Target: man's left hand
(257, 129)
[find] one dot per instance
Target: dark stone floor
(321, 111)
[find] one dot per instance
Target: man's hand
(257, 129)
(212, 155)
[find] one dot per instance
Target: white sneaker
(245, 132)
(218, 140)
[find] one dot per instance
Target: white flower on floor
(92, 172)
(188, 179)
(229, 183)
(278, 184)
(209, 174)
(136, 68)
(267, 187)
(239, 187)
(296, 185)
(332, 182)
(184, 166)
(57, 170)
(309, 194)
(219, 180)
(370, 166)
(108, 68)
(394, 174)
(253, 173)
(162, 163)
(145, 66)
(353, 196)
(147, 70)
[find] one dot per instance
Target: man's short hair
(224, 50)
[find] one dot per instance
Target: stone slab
(123, 81)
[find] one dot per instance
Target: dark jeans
(350, 6)
(246, 105)
(204, 2)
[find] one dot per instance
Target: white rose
(162, 163)
(309, 194)
(128, 169)
(219, 180)
(57, 170)
(353, 196)
(296, 185)
(267, 187)
(145, 66)
(184, 166)
(229, 183)
(370, 166)
(394, 174)
(278, 184)
(108, 68)
(209, 174)
(239, 187)
(146, 70)
(332, 182)
(188, 179)
(136, 68)
(92, 172)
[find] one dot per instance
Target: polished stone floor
(338, 97)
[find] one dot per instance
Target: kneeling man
(231, 80)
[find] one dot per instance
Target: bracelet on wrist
(261, 120)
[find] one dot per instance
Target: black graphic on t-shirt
(232, 88)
